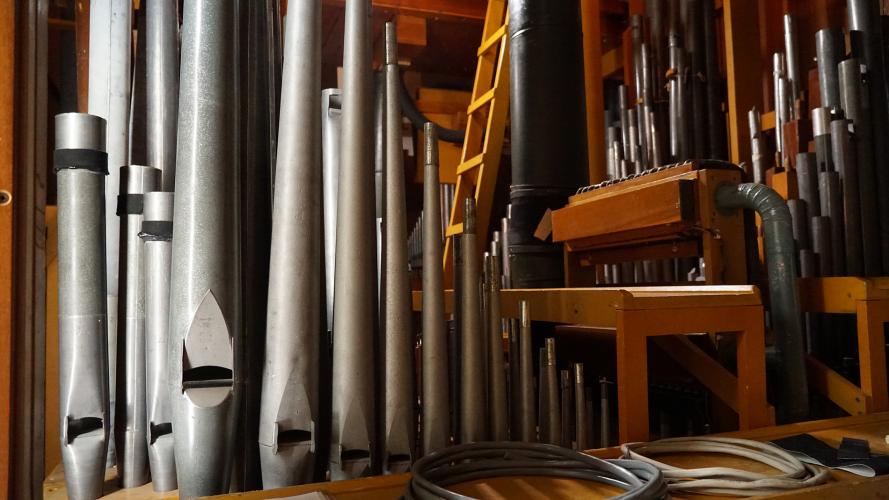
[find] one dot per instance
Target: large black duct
(548, 126)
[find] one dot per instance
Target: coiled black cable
(431, 474)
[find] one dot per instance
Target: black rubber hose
(418, 119)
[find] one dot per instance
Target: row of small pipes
(671, 110)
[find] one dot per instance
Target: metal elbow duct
(785, 306)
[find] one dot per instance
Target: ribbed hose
(783, 296)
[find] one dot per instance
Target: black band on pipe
(129, 204)
(156, 230)
(85, 159)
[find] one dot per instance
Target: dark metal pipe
(821, 135)
(829, 48)
(566, 388)
(785, 305)
(845, 159)
(515, 381)
(553, 431)
(434, 368)
(582, 439)
(832, 206)
(497, 407)
(854, 98)
(84, 406)
(527, 414)
(604, 414)
(807, 181)
(715, 87)
(800, 218)
(473, 409)
(821, 245)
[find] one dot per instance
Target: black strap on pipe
(418, 119)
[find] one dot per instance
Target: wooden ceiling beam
(465, 9)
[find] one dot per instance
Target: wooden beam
(7, 100)
(591, 20)
(613, 62)
(466, 9)
(82, 46)
(742, 63)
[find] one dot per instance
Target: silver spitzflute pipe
(553, 407)
(400, 396)
(583, 439)
(791, 54)
(331, 126)
(157, 235)
(436, 409)
(353, 429)
(84, 408)
(289, 410)
(527, 414)
(130, 432)
(204, 291)
(162, 86)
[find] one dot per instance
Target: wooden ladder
(485, 128)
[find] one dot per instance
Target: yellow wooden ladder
(485, 128)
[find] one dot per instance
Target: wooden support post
(7, 100)
(872, 315)
(590, 12)
(742, 63)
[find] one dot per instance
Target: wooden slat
(470, 164)
(703, 367)
(465, 9)
(7, 180)
(836, 388)
(492, 40)
(741, 23)
(591, 21)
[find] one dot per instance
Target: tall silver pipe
(829, 47)
(780, 96)
(582, 440)
(157, 235)
(288, 415)
(553, 433)
(162, 86)
(791, 54)
(109, 98)
(566, 388)
(527, 415)
(84, 410)
(436, 423)
(331, 125)
(473, 411)
(400, 396)
(677, 81)
(497, 407)
(353, 417)
(757, 146)
(204, 375)
(130, 432)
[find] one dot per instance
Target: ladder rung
(481, 101)
(492, 41)
(454, 229)
(470, 163)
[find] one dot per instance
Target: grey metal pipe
(678, 109)
(289, 405)
(604, 414)
(807, 182)
(821, 245)
(515, 386)
(780, 96)
(829, 45)
(799, 215)
(473, 409)
(162, 86)
(157, 235)
(353, 436)
(434, 368)
(497, 406)
(785, 305)
(527, 415)
(130, 432)
(792, 57)
(582, 439)
(821, 136)
(845, 159)
(553, 407)
(623, 105)
(400, 396)
(566, 390)
(832, 206)
(854, 96)
(331, 126)
(84, 409)
(205, 373)
(757, 146)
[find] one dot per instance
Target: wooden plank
(410, 30)
(656, 205)
(872, 316)
(638, 181)
(591, 22)
(742, 60)
(465, 9)
(840, 294)
(82, 46)
(612, 62)
(7, 181)
(703, 367)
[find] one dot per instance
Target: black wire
(418, 119)
(468, 462)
